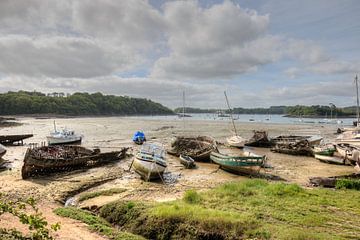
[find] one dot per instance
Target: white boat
(236, 140)
(353, 135)
(63, 137)
(349, 152)
(2, 151)
(150, 162)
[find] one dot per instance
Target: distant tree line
(296, 111)
(23, 102)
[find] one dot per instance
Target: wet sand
(111, 133)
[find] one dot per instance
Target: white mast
(184, 110)
(357, 100)
(232, 119)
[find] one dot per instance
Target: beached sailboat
(150, 162)
(348, 152)
(352, 136)
(2, 151)
(246, 163)
(63, 137)
(236, 140)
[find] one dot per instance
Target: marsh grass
(252, 209)
(108, 192)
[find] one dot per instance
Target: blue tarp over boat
(139, 137)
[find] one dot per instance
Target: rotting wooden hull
(250, 164)
(11, 139)
(47, 160)
(148, 169)
(330, 159)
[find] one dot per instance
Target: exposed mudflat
(111, 133)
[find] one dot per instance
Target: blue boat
(139, 138)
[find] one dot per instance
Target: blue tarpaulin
(139, 137)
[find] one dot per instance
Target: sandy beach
(111, 133)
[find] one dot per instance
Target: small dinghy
(139, 138)
(150, 161)
(246, 163)
(187, 161)
(2, 151)
(325, 154)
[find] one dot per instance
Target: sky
(262, 53)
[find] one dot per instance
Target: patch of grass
(192, 197)
(252, 209)
(95, 223)
(108, 192)
(347, 184)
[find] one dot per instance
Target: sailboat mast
(231, 116)
(357, 100)
(184, 110)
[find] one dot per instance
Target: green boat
(327, 150)
(246, 163)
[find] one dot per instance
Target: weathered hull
(148, 169)
(330, 159)
(65, 158)
(11, 139)
(239, 164)
(260, 139)
(348, 152)
(187, 162)
(2, 153)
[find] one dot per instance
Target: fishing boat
(50, 159)
(259, 139)
(63, 137)
(150, 162)
(187, 161)
(198, 148)
(236, 140)
(139, 137)
(2, 151)
(246, 163)
(348, 152)
(325, 150)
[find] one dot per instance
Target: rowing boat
(246, 163)
(187, 161)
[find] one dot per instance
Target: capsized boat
(150, 162)
(198, 148)
(50, 159)
(187, 161)
(2, 151)
(259, 139)
(139, 137)
(64, 136)
(244, 163)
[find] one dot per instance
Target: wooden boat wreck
(14, 139)
(150, 162)
(259, 139)
(50, 159)
(198, 148)
(187, 161)
(300, 147)
(246, 163)
(326, 154)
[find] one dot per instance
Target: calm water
(256, 118)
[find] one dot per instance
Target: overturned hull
(47, 160)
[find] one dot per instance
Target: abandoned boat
(259, 139)
(14, 139)
(349, 137)
(311, 136)
(150, 162)
(2, 151)
(187, 161)
(246, 163)
(299, 147)
(49, 159)
(198, 148)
